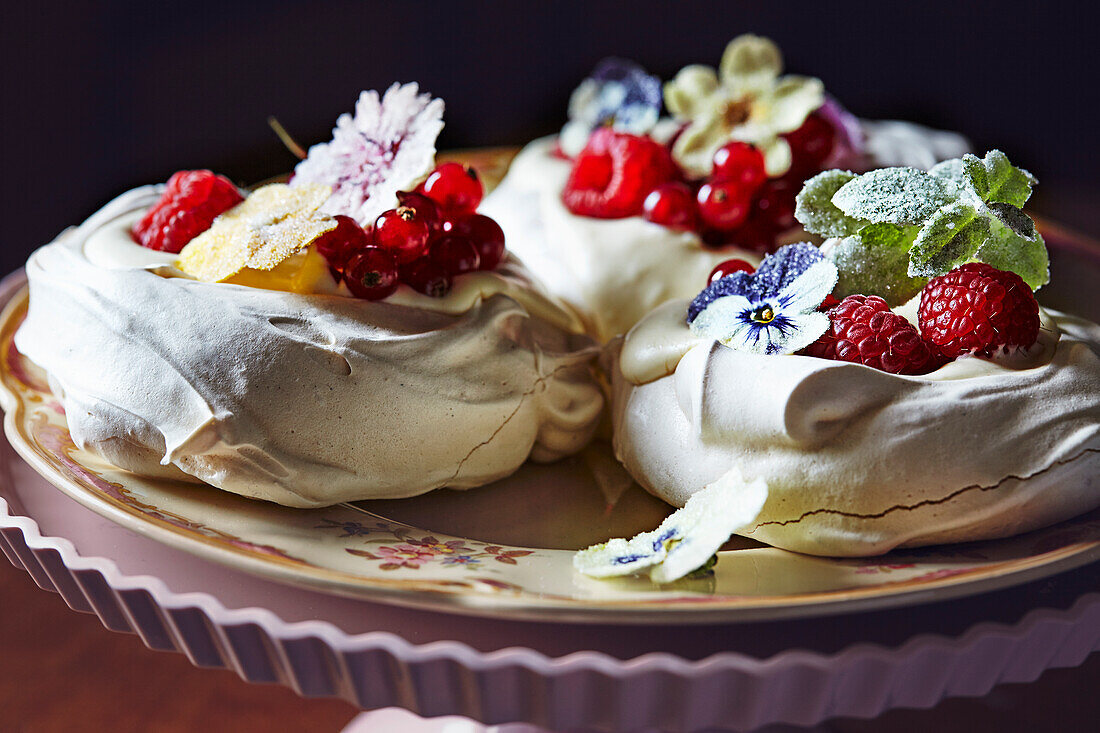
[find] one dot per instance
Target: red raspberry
(187, 208)
(977, 309)
(863, 330)
(614, 173)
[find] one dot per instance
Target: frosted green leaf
(1015, 219)
(996, 180)
(948, 239)
(875, 263)
(1005, 249)
(895, 195)
(951, 169)
(815, 210)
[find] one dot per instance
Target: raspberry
(863, 330)
(977, 309)
(614, 173)
(189, 205)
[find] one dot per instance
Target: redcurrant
(371, 273)
(427, 277)
(740, 162)
(485, 234)
(723, 205)
(403, 231)
(339, 244)
(728, 268)
(454, 187)
(671, 204)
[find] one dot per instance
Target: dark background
(100, 97)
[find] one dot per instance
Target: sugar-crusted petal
(790, 102)
(687, 539)
(750, 64)
(777, 156)
(805, 328)
(386, 147)
(694, 149)
(723, 320)
(687, 94)
(808, 290)
(708, 519)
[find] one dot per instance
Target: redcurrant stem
(286, 139)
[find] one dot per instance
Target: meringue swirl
(859, 461)
(301, 399)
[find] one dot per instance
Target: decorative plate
(506, 549)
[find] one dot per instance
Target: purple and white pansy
(772, 310)
(619, 94)
(687, 539)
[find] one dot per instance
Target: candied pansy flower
(619, 94)
(746, 99)
(770, 311)
(687, 539)
(386, 147)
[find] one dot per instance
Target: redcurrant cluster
(432, 236)
(738, 204)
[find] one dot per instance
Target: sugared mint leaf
(895, 196)
(996, 180)
(951, 169)
(1006, 249)
(948, 239)
(1015, 219)
(814, 207)
(874, 262)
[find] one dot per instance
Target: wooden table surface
(63, 672)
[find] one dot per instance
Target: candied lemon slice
(269, 226)
(306, 271)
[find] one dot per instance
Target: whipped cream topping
(614, 271)
(859, 461)
(303, 399)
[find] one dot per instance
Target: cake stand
(554, 675)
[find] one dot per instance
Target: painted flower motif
(688, 538)
(403, 556)
(467, 560)
(770, 311)
(618, 94)
(386, 147)
(435, 547)
(746, 99)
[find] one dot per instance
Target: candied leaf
(1015, 219)
(951, 169)
(895, 196)
(1005, 249)
(814, 207)
(948, 239)
(874, 262)
(996, 180)
(687, 539)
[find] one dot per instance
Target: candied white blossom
(386, 147)
(746, 99)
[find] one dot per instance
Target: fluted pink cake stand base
(390, 660)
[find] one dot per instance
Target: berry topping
(728, 268)
(456, 188)
(810, 145)
(339, 244)
(758, 234)
(614, 173)
(863, 330)
(775, 202)
(455, 254)
(371, 273)
(189, 205)
(404, 232)
(426, 209)
(739, 162)
(977, 309)
(485, 234)
(671, 204)
(723, 205)
(427, 277)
